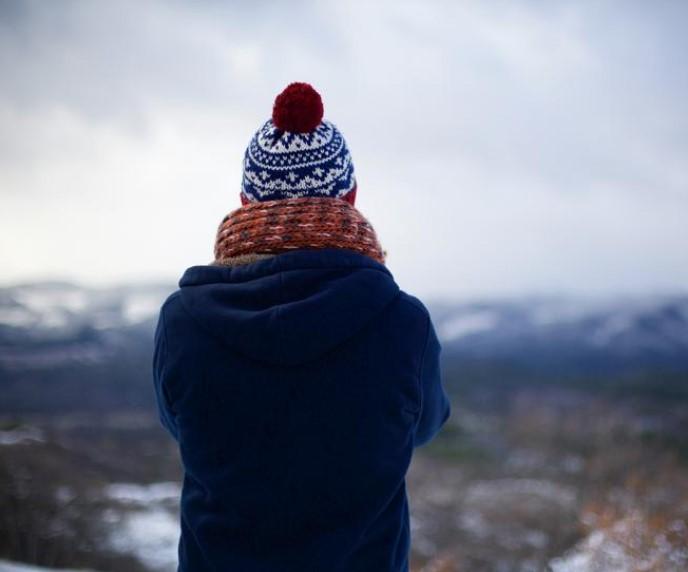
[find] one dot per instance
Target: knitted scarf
(259, 229)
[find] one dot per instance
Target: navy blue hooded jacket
(297, 387)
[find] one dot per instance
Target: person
(294, 373)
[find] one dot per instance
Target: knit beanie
(297, 153)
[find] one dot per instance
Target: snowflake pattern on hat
(281, 164)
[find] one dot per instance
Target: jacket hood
(290, 308)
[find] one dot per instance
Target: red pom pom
(298, 108)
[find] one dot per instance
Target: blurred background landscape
(524, 165)
(567, 447)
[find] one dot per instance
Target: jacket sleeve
(167, 417)
(434, 407)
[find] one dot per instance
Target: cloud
(500, 147)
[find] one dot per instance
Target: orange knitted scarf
(302, 222)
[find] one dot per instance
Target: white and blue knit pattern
(281, 164)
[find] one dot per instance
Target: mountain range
(67, 346)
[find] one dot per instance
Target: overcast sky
(501, 148)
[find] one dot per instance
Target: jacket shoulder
(171, 303)
(414, 303)
(413, 316)
(172, 297)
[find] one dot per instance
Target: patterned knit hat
(296, 153)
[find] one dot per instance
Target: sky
(501, 148)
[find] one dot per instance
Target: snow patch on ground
(21, 435)
(629, 545)
(7, 566)
(143, 494)
(484, 493)
(498, 510)
(150, 534)
(144, 522)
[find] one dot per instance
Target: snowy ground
(626, 546)
(550, 484)
(7, 566)
(144, 522)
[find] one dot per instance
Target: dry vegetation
(545, 480)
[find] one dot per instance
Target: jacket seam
(420, 371)
(279, 310)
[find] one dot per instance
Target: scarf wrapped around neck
(261, 229)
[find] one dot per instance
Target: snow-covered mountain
(95, 344)
(51, 323)
(586, 334)
(62, 308)
(66, 347)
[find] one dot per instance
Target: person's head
(297, 153)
